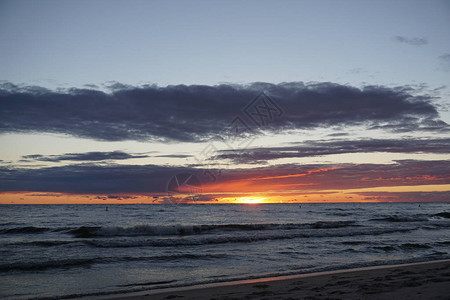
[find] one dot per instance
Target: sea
(69, 251)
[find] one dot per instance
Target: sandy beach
(428, 280)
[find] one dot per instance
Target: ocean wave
(355, 242)
(444, 243)
(207, 240)
(40, 266)
(414, 246)
(443, 214)
(89, 262)
(406, 247)
(385, 248)
(32, 230)
(26, 229)
(182, 230)
(223, 238)
(170, 230)
(340, 214)
(436, 226)
(413, 218)
(186, 230)
(397, 218)
(49, 243)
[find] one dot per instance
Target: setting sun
(250, 200)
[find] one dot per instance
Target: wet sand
(429, 280)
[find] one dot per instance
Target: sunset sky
(245, 101)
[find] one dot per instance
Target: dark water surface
(68, 250)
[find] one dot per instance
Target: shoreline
(430, 280)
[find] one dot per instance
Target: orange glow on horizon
(271, 194)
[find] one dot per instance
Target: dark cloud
(414, 41)
(45, 195)
(128, 179)
(339, 134)
(319, 148)
(198, 113)
(88, 156)
(117, 197)
(174, 155)
(94, 179)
